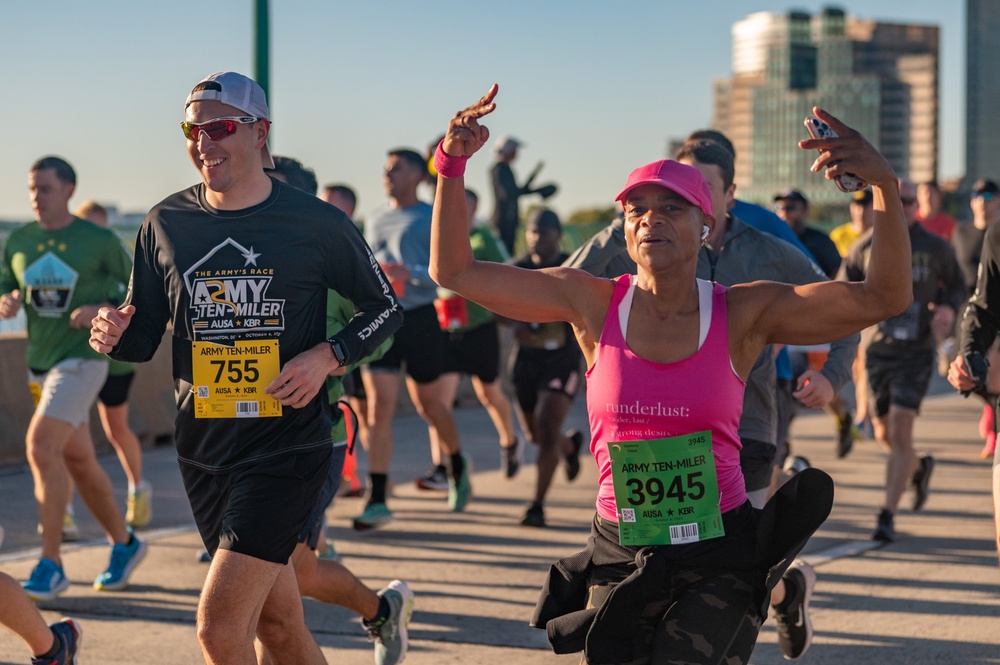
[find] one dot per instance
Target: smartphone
(820, 130)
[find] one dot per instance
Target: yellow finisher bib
(229, 381)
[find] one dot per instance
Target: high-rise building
(879, 78)
(982, 90)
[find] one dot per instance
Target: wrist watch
(338, 350)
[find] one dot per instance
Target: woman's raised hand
(465, 135)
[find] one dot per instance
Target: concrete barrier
(151, 400)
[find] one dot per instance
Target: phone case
(820, 130)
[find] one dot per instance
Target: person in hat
(793, 208)
(240, 265)
(901, 354)
(506, 191)
(674, 545)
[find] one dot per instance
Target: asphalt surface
(931, 597)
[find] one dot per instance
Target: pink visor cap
(685, 180)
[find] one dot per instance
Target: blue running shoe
(374, 514)
(124, 559)
(69, 637)
(47, 581)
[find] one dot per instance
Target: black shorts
(537, 370)
(115, 389)
(310, 534)
(757, 463)
(419, 344)
(260, 509)
(475, 352)
(901, 381)
(354, 386)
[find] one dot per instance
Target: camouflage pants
(703, 615)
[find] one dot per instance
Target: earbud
(704, 232)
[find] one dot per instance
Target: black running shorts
(115, 390)
(537, 370)
(419, 344)
(259, 509)
(901, 381)
(474, 352)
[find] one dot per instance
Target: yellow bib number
(229, 381)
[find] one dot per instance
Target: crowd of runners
(698, 322)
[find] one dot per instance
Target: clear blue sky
(593, 88)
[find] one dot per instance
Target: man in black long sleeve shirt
(240, 266)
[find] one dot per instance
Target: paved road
(932, 597)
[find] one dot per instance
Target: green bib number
(666, 490)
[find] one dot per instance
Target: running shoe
(845, 435)
(391, 637)
(139, 506)
(203, 556)
(47, 581)
(374, 514)
(885, 530)
(534, 516)
(328, 553)
(792, 615)
(124, 560)
(435, 480)
(460, 489)
(573, 458)
(69, 637)
(510, 458)
(796, 464)
(922, 481)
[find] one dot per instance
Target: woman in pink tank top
(675, 549)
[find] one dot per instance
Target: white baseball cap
(238, 91)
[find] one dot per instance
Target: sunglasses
(985, 196)
(216, 128)
(907, 200)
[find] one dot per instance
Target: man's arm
(356, 276)
(141, 335)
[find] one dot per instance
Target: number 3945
(652, 491)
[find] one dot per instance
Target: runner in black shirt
(240, 266)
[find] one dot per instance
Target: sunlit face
(661, 226)
(232, 160)
(401, 178)
(49, 195)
